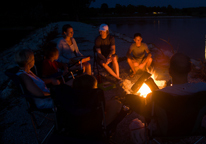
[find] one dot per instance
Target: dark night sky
(173, 3)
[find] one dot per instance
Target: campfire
(141, 87)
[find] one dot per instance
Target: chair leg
(34, 119)
(48, 134)
(33, 123)
(199, 139)
(156, 141)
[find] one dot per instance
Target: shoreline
(141, 17)
(14, 120)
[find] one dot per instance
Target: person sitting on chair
(68, 49)
(105, 47)
(180, 66)
(112, 107)
(51, 67)
(37, 87)
(138, 60)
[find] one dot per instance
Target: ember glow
(144, 90)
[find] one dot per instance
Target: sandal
(132, 75)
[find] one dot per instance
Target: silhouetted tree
(118, 9)
(130, 9)
(169, 10)
(142, 9)
(104, 8)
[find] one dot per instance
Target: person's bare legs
(87, 68)
(115, 65)
(132, 65)
(109, 70)
(149, 63)
(146, 63)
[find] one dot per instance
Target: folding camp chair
(177, 116)
(77, 109)
(32, 109)
(95, 63)
(80, 115)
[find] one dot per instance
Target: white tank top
(40, 83)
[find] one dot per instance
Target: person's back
(180, 66)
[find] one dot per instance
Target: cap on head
(103, 27)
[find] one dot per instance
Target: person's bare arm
(32, 87)
(129, 53)
(53, 81)
(112, 51)
(149, 55)
(100, 54)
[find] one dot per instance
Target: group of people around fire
(59, 56)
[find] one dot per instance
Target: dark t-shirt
(104, 44)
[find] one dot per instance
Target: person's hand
(55, 81)
(65, 71)
(108, 60)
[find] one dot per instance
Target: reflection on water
(185, 35)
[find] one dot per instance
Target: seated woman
(112, 107)
(25, 59)
(50, 67)
(68, 49)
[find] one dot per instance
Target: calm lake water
(186, 35)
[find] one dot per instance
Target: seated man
(138, 60)
(50, 67)
(179, 69)
(105, 47)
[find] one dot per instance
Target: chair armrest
(32, 96)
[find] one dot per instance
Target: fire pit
(144, 85)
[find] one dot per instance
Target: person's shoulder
(46, 62)
(133, 45)
(24, 77)
(144, 44)
(199, 84)
(98, 38)
(110, 37)
(60, 40)
(73, 39)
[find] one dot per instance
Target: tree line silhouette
(141, 10)
(24, 12)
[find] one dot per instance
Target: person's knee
(114, 58)
(102, 63)
(129, 60)
(87, 64)
(150, 59)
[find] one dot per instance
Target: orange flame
(144, 90)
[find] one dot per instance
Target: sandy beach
(15, 123)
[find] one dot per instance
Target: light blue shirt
(66, 52)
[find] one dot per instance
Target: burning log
(144, 85)
(140, 81)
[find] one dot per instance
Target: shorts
(139, 61)
(98, 59)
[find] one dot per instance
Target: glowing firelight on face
(144, 90)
